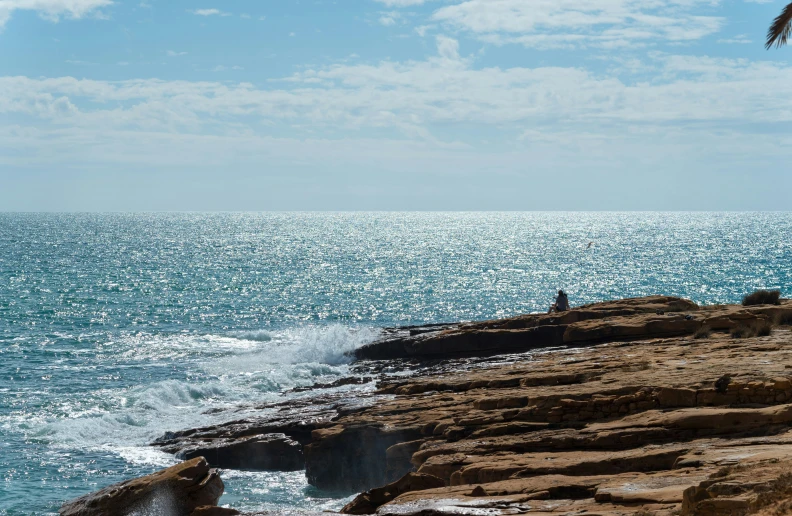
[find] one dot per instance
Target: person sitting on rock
(561, 303)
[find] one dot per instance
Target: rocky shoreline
(652, 404)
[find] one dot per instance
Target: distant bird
(590, 244)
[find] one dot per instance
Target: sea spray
(278, 361)
(332, 345)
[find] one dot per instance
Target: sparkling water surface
(117, 327)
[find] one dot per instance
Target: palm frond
(781, 29)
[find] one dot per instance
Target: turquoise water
(116, 328)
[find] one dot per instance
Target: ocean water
(115, 328)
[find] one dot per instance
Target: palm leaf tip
(779, 32)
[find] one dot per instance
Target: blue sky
(393, 104)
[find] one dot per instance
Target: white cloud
(634, 109)
(223, 68)
(661, 114)
(52, 10)
(575, 23)
(448, 48)
(694, 98)
(422, 30)
(209, 12)
(740, 39)
(389, 18)
(414, 96)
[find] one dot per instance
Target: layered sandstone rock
(650, 405)
(272, 441)
(763, 488)
(629, 425)
(628, 319)
(176, 491)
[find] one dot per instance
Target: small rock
(782, 384)
(478, 492)
(722, 384)
(672, 397)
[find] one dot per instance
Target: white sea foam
(292, 357)
(136, 416)
(164, 348)
(255, 372)
(144, 455)
(256, 335)
(221, 371)
(332, 345)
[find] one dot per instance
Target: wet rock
(398, 458)
(341, 382)
(295, 428)
(176, 491)
(370, 501)
(269, 452)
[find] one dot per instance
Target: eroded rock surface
(650, 405)
(176, 491)
(613, 428)
(627, 319)
(537, 330)
(272, 441)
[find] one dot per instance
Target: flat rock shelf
(650, 405)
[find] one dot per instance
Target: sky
(242, 105)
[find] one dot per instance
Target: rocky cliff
(651, 405)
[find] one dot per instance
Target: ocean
(115, 328)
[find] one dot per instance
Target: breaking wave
(331, 345)
(250, 368)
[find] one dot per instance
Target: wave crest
(315, 346)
